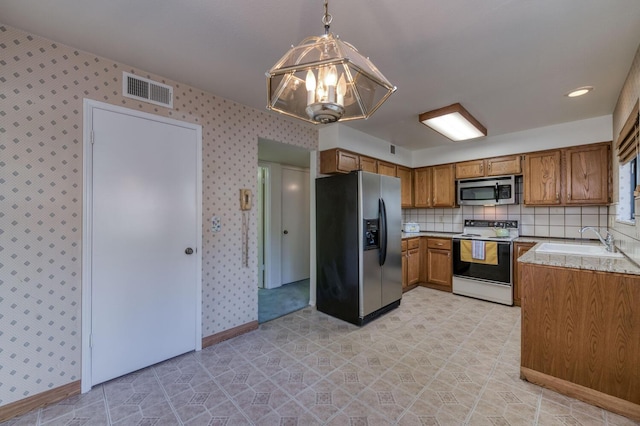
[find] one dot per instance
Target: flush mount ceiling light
(579, 91)
(324, 79)
(453, 122)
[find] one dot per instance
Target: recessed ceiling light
(579, 91)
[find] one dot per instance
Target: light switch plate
(216, 224)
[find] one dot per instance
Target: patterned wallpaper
(42, 86)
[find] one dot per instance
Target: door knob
(189, 250)
(286, 232)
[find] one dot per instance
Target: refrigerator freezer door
(371, 287)
(338, 243)
(392, 269)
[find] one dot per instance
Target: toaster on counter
(411, 227)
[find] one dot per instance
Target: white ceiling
(509, 62)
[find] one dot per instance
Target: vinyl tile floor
(439, 359)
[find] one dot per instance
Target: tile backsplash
(556, 222)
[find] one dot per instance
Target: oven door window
(500, 273)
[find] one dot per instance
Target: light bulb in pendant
(341, 90)
(311, 87)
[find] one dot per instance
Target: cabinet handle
(558, 196)
(489, 166)
(482, 167)
(438, 244)
(569, 196)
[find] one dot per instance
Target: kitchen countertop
(593, 263)
(428, 234)
(617, 265)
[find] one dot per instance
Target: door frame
(87, 226)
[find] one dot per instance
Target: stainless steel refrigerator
(358, 245)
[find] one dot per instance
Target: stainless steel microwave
(487, 191)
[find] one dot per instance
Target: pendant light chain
(327, 18)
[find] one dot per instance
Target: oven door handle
(496, 192)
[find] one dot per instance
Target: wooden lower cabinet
(580, 335)
(410, 263)
(518, 250)
(439, 264)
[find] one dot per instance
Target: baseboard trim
(39, 400)
(229, 334)
(588, 395)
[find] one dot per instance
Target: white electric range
(482, 260)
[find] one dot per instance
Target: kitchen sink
(576, 250)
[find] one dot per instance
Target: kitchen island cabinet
(581, 334)
(518, 250)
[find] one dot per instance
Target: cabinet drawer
(413, 243)
(404, 245)
(439, 243)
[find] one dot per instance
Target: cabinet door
(337, 161)
(406, 186)
(499, 166)
(443, 186)
(587, 174)
(413, 266)
(348, 162)
(439, 267)
(387, 169)
(518, 250)
(542, 178)
(422, 187)
(470, 169)
(368, 164)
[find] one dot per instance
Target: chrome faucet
(608, 241)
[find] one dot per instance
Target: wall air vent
(146, 90)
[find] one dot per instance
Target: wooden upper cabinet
(422, 187)
(499, 166)
(368, 164)
(587, 174)
(542, 178)
(470, 169)
(443, 186)
(338, 161)
(387, 169)
(406, 185)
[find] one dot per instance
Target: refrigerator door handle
(382, 251)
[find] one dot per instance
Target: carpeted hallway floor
(276, 302)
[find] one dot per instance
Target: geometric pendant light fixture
(324, 79)
(453, 122)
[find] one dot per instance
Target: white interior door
(144, 216)
(295, 225)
